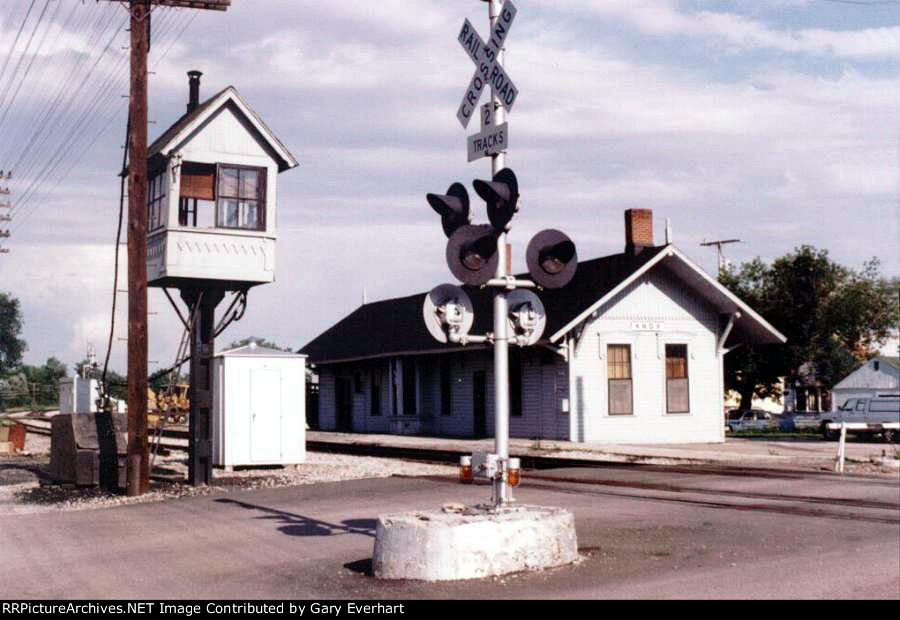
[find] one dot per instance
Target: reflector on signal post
(472, 254)
(502, 197)
(453, 207)
(551, 258)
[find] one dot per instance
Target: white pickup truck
(879, 415)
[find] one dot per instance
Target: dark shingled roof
(396, 326)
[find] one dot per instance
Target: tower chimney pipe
(194, 84)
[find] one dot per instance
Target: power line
(72, 140)
(12, 47)
(24, 53)
(28, 68)
(77, 125)
(68, 108)
(68, 69)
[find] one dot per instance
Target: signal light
(551, 258)
(453, 207)
(466, 475)
(502, 197)
(514, 472)
(472, 254)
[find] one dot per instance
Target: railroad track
(544, 462)
(176, 438)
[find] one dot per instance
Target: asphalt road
(643, 532)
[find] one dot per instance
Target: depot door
(344, 405)
(265, 415)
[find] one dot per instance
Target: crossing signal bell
(502, 197)
(551, 258)
(453, 207)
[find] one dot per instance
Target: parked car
(752, 420)
(799, 420)
(871, 411)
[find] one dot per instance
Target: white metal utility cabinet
(259, 407)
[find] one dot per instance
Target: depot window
(677, 393)
(618, 371)
(241, 198)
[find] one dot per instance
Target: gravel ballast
(25, 490)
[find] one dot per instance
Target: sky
(769, 121)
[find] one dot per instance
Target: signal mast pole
(501, 306)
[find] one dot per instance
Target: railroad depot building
(633, 353)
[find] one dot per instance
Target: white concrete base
(441, 545)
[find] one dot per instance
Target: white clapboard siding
(866, 377)
(653, 311)
(176, 251)
(226, 138)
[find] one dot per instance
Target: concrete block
(477, 542)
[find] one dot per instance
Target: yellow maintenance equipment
(169, 405)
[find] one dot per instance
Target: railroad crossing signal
(472, 254)
(453, 207)
(551, 258)
(487, 69)
(501, 194)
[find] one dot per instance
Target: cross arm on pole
(212, 5)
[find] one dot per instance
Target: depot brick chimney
(638, 230)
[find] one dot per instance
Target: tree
(833, 318)
(753, 371)
(262, 342)
(11, 345)
(36, 385)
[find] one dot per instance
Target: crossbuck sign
(487, 68)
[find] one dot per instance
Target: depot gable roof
(396, 327)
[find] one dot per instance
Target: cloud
(662, 18)
(776, 153)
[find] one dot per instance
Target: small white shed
(259, 407)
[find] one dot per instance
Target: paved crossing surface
(643, 532)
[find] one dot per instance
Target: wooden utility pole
(720, 258)
(138, 453)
